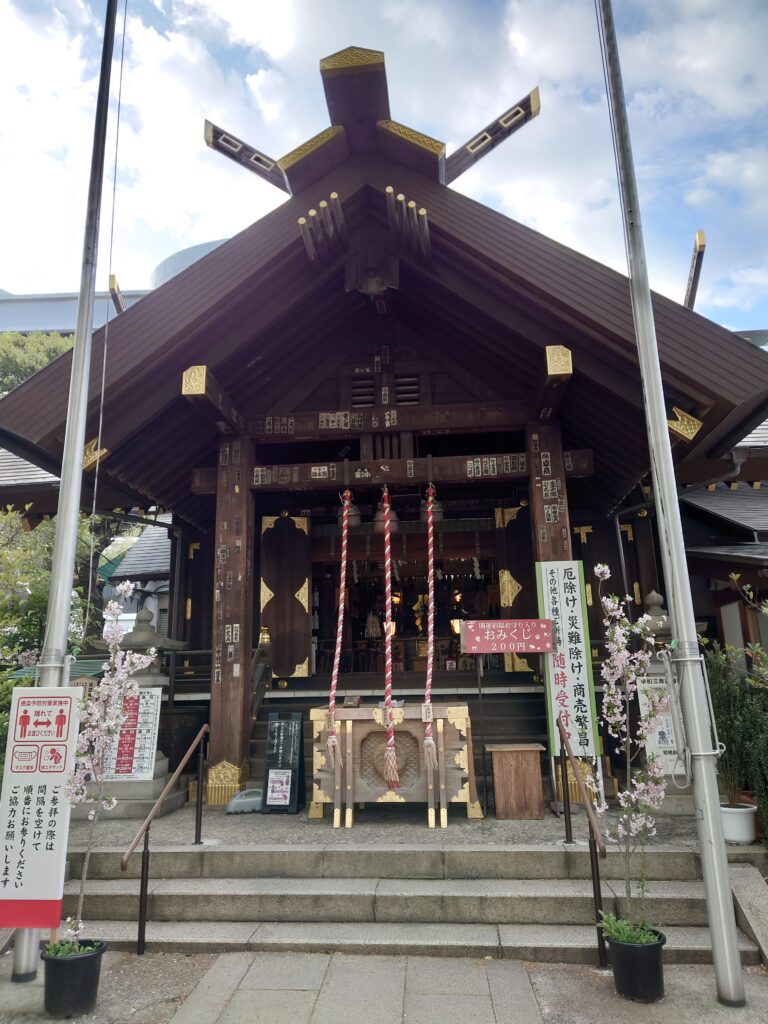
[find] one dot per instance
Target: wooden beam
(229, 145)
(470, 418)
(559, 370)
(116, 295)
(231, 691)
(203, 391)
(549, 502)
(754, 467)
(496, 132)
(372, 473)
(699, 245)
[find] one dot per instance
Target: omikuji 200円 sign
(570, 687)
(507, 636)
(34, 810)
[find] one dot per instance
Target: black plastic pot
(638, 970)
(72, 982)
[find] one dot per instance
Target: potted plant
(635, 946)
(733, 709)
(73, 964)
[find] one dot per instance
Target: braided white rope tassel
(430, 749)
(333, 746)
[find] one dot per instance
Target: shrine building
(378, 333)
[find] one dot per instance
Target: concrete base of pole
(26, 954)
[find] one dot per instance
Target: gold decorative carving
(302, 523)
(629, 530)
(193, 380)
(302, 670)
(535, 102)
(351, 57)
(378, 715)
(583, 532)
(390, 797)
(520, 664)
(474, 809)
(504, 516)
(636, 592)
(509, 588)
(462, 797)
(462, 759)
(319, 760)
(316, 809)
(193, 548)
(93, 454)
(319, 796)
(685, 426)
(224, 780)
(402, 131)
(267, 522)
(458, 718)
(309, 147)
(266, 595)
(302, 595)
(584, 769)
(559, 360)
(318, 715)
(588, 588)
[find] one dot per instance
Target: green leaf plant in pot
(733, 706)
(73, 964)
(635, 946)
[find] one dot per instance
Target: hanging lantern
(378, 521)
(437, 511)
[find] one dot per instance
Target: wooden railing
(199, 744)
(596, 841)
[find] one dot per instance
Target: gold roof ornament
(92, 454)
(685, 426)
(356, 58)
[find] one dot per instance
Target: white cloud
(266, 25)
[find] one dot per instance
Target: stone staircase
(532, 903)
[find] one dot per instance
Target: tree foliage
(21, 355)
(25, 567)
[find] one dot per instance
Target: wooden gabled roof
(494, 293)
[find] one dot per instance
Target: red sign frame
(507, 636)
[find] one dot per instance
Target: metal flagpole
(714, 863)
(53, 671)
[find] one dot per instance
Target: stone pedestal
(136, 799)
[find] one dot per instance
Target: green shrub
(732, 704)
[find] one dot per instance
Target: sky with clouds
(695, 73)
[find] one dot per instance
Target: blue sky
(695, 73)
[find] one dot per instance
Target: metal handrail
(198, 743)
(596, 841)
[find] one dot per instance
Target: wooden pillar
(548, 498)
(231, 683)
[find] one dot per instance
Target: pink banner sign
(507, 636)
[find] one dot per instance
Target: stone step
(437, 861)
(542, 943)
(396, 901)
(139, 809)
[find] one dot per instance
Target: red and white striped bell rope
(334, 748)
(390, 754)
(430, 749)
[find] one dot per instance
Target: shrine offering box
(360, 778)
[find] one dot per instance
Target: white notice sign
(279, 787)
(131, 755)
(661, 736)
(570, 687)
(34, 810)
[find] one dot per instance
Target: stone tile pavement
(317, 988)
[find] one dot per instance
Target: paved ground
(390, 825)
(294, 988)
